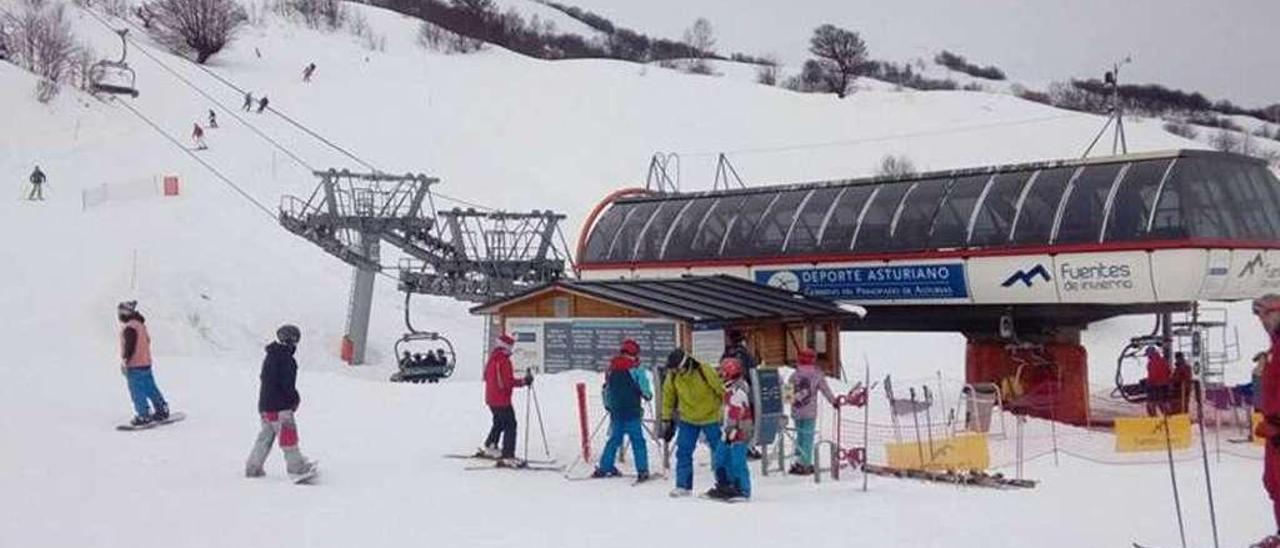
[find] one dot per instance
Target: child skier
(626, 385)
(135, 353)
(694, 390)
(248, 102)
(213, 119)
(805, 385)
(197, 136)
(499, 383)
(37, 179)
(308, 71)
(733, 479)
(1267, 308)
(278, 400)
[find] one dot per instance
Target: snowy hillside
(215, 275)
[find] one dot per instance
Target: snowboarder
(733, 479)
(248, 102)
(262, 104)
(135, 355)
(694, 390)
(197, 136)
(1158, 378)
(499, 383)
(737, 349)
(278, 400)
(213, 119)
(37, 179)
(1267, 308)
(805, 385)
(626, 385)
(308, 71)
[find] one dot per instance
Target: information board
(766, 387)
(589, 344)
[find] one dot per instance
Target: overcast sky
(1223, 48)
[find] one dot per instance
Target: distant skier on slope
(262, 104)
(693, 391)
(37, 179)
(248, 102)
(1267, 308)
(213, 119)
(308, 71)
(135, 355)
(729, 460)
(197, 137)
(499, 383)
(626, 388)
(278, 400)
(805, 385)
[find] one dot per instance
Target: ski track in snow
(214, 277)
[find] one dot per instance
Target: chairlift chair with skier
(115, 77)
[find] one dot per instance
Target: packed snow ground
(215, 276)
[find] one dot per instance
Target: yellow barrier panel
(967, 452)
(1138, 434)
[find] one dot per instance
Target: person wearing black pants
(499, 383)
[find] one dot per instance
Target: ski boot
(602, 473)
(510, 462)
(254, 472)
(679, 493)
(161, 413)
(642, 477)
(720, 492)
(798, 469)
(488, 452)
(141, 420)
(733, 493)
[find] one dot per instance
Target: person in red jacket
(499, 383)
(1159, 375)
(1267, 308)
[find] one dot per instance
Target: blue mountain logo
(1027, 277)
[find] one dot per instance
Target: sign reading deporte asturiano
(873, 283)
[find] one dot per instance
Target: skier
(1181, 383)
(1267, 308)
(441, 358)
(262, 104)
(197, 136)
(1158, 377)
(277, 402)
(213, 119)
(626, 384)
(37, 179)
(694, 390)
(308, 71)
(248, 102)
(805, 385)
(135, 354)
(499, 383)
(733, 479)
(737, 349)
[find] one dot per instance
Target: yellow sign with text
(967, 452)
(1139, 434)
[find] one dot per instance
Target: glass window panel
(1203, 205)
(603, 232)
(1248, 200)
(837, 235)
(686, 228)
(804, 237)
(1269, 188)
(1035, 218)
(624, 244)
(919, 208)
(951, 224)
(996, 214)
(738, 242)
(873, 231)
(772, 229)
(650, 244)
(1167, 218)
(1131, 207)
(706, 244)
(1082, 215)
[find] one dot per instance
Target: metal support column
(361, 305)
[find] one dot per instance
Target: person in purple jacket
(805, 385)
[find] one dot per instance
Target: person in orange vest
(1159, 375)
(135, 355)
(1267, 309)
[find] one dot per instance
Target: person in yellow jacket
(692, 396)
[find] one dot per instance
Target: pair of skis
(532, 465)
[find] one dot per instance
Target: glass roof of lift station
(1175, 195)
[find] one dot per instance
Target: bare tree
(899, 165)
(39, 39)
(1225, 141)
(200, 27)
(840, 53)
(767, 73)
(701, 38)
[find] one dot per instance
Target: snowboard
(307, 478)
(173, 417)
(734, 500)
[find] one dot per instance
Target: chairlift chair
(1132, 356)
(115, 77)
(417, 354)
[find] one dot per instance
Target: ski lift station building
(1027, 253)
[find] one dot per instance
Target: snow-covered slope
(215, 275)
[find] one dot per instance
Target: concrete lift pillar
(360, 306)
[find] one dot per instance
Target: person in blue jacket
(626, 388)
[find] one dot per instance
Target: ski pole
(915, 417)
(1204, 456)
(1173, 479)
(527, 400)
(866, 420)
(537, 408)
(928, 420)
(893, 411)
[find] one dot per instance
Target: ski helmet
(127, 308)
(730, 368)
(289, 334)
(630, 347)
